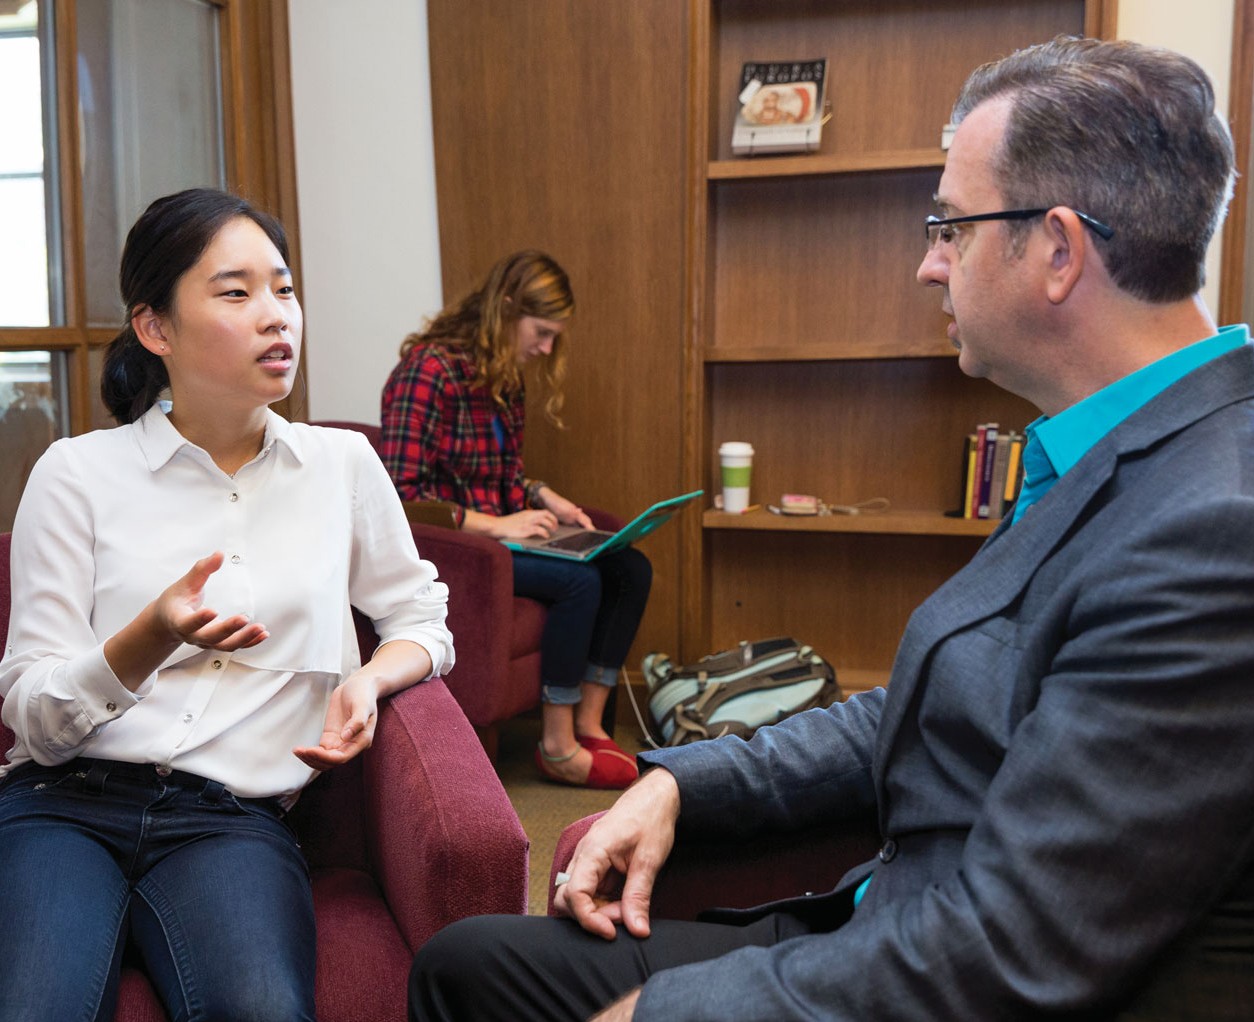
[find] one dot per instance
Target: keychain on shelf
(804, 504)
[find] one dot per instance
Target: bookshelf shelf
(889, 523)
(823, 164)
(833, 351)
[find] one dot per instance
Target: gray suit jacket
(1062, 764)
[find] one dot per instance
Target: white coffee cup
(736, 461)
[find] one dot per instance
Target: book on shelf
(987, 470)
(781, 107)
(997, 478)
(992, 463)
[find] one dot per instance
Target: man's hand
(616, 863)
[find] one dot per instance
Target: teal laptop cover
(639, 527)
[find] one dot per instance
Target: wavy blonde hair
(527, 283)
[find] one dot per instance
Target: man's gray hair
(1125, 133)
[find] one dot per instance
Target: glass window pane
(23, 252)
(34, 411)
(29, 250)
(150, 100)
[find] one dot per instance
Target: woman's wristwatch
(533, 488)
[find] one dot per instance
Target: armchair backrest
(371, 431)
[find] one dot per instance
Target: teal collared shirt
(1054, 445)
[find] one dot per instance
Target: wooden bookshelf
(810, 337)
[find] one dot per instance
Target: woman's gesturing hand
(349, 726)
(175, 617)
(181, 611)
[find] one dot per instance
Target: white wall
(370, 253)
(1201, 30)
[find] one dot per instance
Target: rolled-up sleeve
(390, 582)
(57, 687)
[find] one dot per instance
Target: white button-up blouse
(311, 527)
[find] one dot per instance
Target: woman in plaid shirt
(453, 412)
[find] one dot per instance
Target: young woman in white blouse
(181, 657)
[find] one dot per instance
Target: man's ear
(1067, 252)
(150, 330)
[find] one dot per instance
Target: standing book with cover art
(782, 107)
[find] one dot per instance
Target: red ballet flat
(606, 744)
(610, 770)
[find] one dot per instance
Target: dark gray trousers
(506, 968)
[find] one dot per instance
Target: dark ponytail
(165, 242)
(132, 378)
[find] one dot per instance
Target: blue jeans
(595, 608)
(211, 891)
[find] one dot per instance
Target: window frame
(260, 165)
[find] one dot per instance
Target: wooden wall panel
(561, 126)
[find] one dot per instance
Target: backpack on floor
(736, 691)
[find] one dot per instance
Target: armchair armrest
(479, 573)
(444, 839)
(741, 873)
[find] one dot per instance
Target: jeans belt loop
(95, 778)
(213, 792)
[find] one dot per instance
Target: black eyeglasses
(936, 229)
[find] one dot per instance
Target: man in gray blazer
(1063, 762)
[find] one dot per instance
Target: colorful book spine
(968, 474)
(977, 473)
(1001, 465)
(1014, 470)
(987, 459)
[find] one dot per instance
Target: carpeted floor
(543, 807)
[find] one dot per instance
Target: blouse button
(217, 665)
(234, 497)
(187, 718)
(111, 706)
(236, 558)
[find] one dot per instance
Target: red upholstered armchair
(411, 836)
(497, 634)
(743, 872)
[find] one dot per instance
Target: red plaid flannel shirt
(438, 442)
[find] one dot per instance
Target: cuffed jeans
(594, 609)
(211, 890)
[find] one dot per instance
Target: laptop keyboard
(578, 542)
